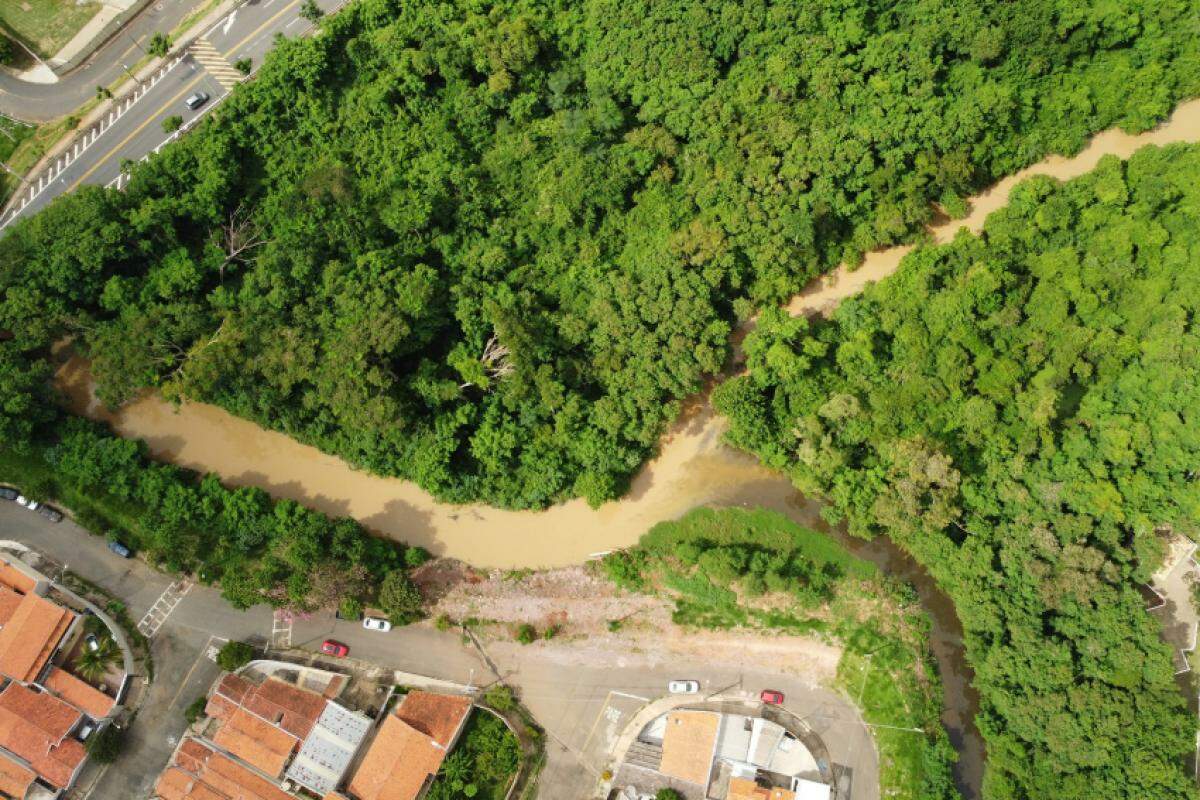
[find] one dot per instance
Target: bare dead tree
(495, 360)
(239, 236)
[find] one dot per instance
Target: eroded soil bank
(694, 467)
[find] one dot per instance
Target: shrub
(195, 710)
(350, 608)
(400, 598)
(501, 698)
(443, 622)
(526, 633)
(172, 123)
(667, 794)
(243, 65)
(158, 45)
(234, 655)
(614, 625)
(105, 746)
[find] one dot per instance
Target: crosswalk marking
(216, 64)
(163, 607)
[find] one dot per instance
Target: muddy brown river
(694, 467)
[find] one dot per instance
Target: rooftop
(256, 741)
(688, 744)
(87, 698)
(330, 747)
(409, 748)
(15, 778)
(35, 726)
(198, 772)
(282, 704)
(30, 635)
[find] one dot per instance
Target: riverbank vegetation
(255, 548)
(490, 247)
(1019, 411)
(728, 568)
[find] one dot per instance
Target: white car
(683, 687)
(25, 502)
(377, 624)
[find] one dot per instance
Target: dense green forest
(1020, 410)
(756, 569)
(489, 246)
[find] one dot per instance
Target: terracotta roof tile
(34, 726)
(410, 746)
(294, 709)
(289, 707)
(688, 745)
(87, 698)
(746, 789)
(257, 742)
(15, 778)
(436, 715)
(14, 578)
(9, 602)
(198, 772)
(30, 636)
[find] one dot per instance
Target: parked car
(92, 642)
(683, 687)
(331, 647)
(377, 624)
(7, 494)
(195, 100)
(86, 730)
(120, 549)
(25, 502)
(771, 697)
(52, 514)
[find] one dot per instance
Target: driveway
(584, 709)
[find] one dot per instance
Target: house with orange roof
(263, 724)
(81, 694)
(38, 729)
(407, 752)
(44, 709)
(200, 771)
(31, 635)
(15, 777)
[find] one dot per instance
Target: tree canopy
(489, 246)
(1019, 411)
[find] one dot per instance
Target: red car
(771, 697)
(332, 648)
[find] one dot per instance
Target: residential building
(45, 711)
(408, 751)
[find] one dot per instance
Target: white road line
(229, 23)
(296, 21)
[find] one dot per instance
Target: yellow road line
(260, 28)
(137, 130)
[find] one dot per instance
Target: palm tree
(93, 664)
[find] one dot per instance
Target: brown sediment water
(694, 467)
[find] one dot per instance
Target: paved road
(246, 32)
(583, 708)
(37, 102)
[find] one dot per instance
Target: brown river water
(694, 467)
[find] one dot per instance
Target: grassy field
(752, 568)
(45, 25)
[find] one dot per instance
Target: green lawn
(45, 25)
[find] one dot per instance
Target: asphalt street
(583, 708)
(41, 102)
(246, 32)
